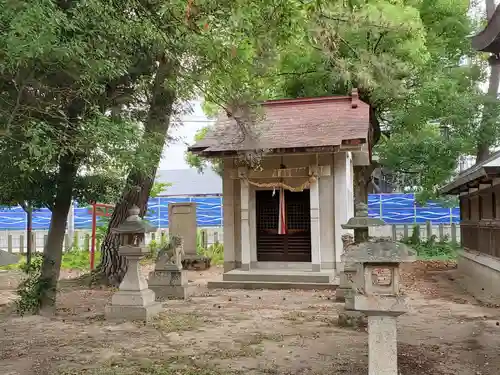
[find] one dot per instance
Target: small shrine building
(282, 222)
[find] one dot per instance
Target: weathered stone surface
(182, 223)
(380, 252)
(345, 282)
(382, 346)
(134, 300)
(125, 312)
(352, 319)
(196, 262)
(381, 305)
(170, 256)
(7, 258)
(169, 284)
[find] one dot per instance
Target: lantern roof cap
(361, 220)
(134, 224)
(381, 251)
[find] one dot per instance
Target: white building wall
(342, 199)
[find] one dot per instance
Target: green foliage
(101, 229)
(33, 288)
(155, 246)
(157, 188)
(200, 163)
(79, 259)
(431, 249)
(406, 59)
(215, 251)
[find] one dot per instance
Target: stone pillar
(134, 300)
(382, 345)
(245, 227)
(315, 227)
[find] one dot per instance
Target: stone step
(279, 276)
(270, 285)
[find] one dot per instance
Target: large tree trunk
(486, 135)
(28, 209)
(361, 181)
(139, 182)
(51, 266)
(362, 174)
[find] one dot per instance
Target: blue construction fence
(403, 209)
(392, 208)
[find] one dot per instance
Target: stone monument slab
(182, 223)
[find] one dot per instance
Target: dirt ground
(251, 332)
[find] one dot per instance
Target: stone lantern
(134, 300)
(377, 294)
(361, 223)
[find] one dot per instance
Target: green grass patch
(436, 250)
(74, 259)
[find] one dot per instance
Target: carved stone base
(195, 262)
(169, 284)
(345, 283)
(352, 319)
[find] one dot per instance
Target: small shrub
(33, 288)
(153, 247)
(215, 252)
(432, 248)
(415, 234)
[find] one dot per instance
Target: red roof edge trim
(321, 99)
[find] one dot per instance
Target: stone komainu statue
(172, 251)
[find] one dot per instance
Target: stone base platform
(133, 305)
(195, 262)
(276, 279)
(164, 292)
(121, 312)
(271, 285)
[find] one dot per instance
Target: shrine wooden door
(295, 246)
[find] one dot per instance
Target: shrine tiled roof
(293, 124)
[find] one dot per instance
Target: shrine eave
(488, 40)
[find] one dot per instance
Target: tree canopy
(410, 60)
